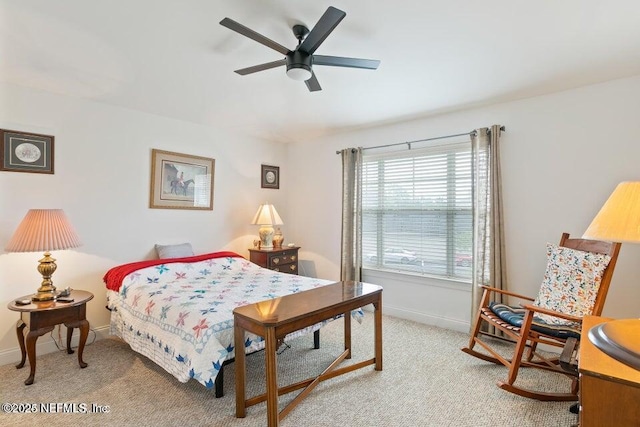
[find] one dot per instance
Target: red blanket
(114, 277)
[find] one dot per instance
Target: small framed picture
(181, 181)
(26, 152)
(270, 176)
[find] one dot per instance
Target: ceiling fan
(299, 61)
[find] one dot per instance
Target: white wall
(562, 155)
(101, 180)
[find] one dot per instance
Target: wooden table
(275, 318)
(43, 317)
(609, 390)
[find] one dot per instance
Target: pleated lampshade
(43, 230)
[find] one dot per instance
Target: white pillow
(174, 251)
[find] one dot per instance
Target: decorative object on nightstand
(278, 238)
(618, 220)
(266, 217)
(43, 316)
(44, 230)
(284, 260)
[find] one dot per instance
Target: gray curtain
(489, 266)
(351, 251)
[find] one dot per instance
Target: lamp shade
(619, 218)
(267, 215)
(43, 230)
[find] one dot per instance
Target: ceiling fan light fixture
(299, 72)
(299, 65)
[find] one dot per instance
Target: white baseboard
(46, 344)
(426, 318)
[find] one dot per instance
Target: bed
(178, 312)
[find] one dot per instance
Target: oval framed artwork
(270, 176)
(26, 152)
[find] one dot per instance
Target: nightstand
(609, 389)
(43, 316)
(281, 259)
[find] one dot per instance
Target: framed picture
(181, 181)
(270, 176)
(26, 152)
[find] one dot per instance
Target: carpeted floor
(426, 381)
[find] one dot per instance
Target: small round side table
(43, 317)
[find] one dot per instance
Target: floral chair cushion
(570, 283)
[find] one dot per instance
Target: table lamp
(44, 230)
(266, 217)
(618, 221)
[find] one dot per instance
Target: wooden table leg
(84, 333)
(272, 377)
(347, 333)
(69, 335)
(241, 408)
(20, 332)
(32, 337)
(83, 325)
(378, 333)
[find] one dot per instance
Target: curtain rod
(502, 128)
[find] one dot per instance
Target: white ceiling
(172, 58)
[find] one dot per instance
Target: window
(417, 211)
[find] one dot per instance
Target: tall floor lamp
(618, 221)
(44, 230)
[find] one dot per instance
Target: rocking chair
(575, 285)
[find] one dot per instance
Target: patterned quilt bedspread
(179, 314)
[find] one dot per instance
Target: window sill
(446, 282)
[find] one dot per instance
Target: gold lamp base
(47, 266)
(43, 296)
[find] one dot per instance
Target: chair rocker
(575, 284)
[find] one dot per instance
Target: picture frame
(270, 176)
(181, 181)
(26, 152)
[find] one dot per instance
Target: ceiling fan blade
(340, 61)
(261, 67)
(328, 21)
(312, 83)
(247, 32)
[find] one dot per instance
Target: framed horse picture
(181, 181)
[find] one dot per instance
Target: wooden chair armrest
(502, 291)
(537, 309)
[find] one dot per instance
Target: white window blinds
(416, 211)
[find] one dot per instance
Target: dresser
(609, 390)
(281, 259)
